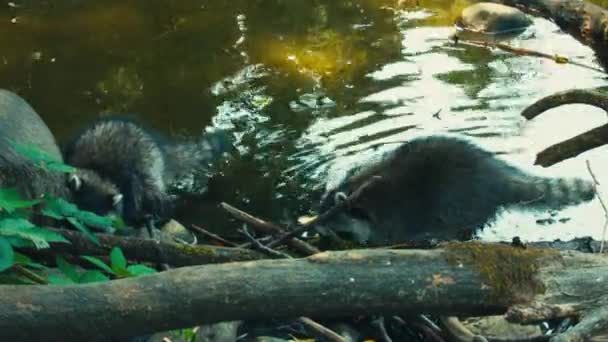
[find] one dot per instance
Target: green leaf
(19, 242)
(137, 270)
(83, 229)
(98, 263)
(92, 277)
(119, 262)
(24, 229)
(11, 224)
(59, 208)
(59, 279)
(41, 158)
(118, 223)
(93, 219)
(68, 269)
(23, 259)
(7, 255)
(11, 199)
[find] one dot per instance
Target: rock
(174, 231)
(499, 326)
(493, 19)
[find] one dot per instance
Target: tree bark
(586, 22)
(147, 250)
(469, 279)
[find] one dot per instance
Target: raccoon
(120, 157)
(21, 124)
(438, 187)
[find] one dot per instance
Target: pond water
(306, 87)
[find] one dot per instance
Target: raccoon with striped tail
(119, 152)
(439, 187)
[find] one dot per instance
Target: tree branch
(147, 250)
(470, 279)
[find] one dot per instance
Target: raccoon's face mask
(353, 222)
(93, 193)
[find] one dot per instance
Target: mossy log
(469, 279)
(576, 145)
(147, 250)
(586, 22)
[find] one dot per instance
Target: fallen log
(146, 250)
(586, 22)
(469, 279)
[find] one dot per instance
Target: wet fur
(441, 187)
(121, 153)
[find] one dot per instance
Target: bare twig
(431, 331)
(595, 184)
(430, 323)
(259, 224)
(213, 236)
(272, 228)
(526, 52)
(379, 323)
(260, 246)
(327, 333)
(30, 275)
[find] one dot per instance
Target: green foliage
(119, 267)
(25, 230)
(16, 231)
(188, 334)
(24, 260)
(119, 262)
(72, 275)
(7, 255)
(11, 200)
(59, 208)
(98, 263)
(41, 158)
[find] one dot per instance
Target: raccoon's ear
(340, 197)
(74, 182)
(116, 199)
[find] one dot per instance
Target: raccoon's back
(113, 146)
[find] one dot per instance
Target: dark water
(305, 86)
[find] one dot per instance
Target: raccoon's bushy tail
(537, 191)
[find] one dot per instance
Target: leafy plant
(16, 230)
(41, 158)
(71, 275)
(119, 267)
